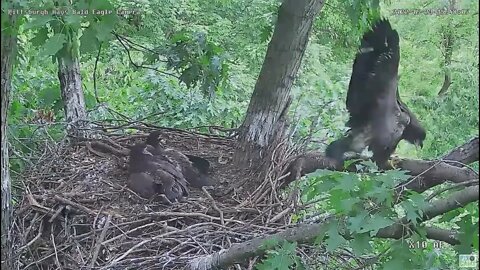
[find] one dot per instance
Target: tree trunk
(447, 43)
(9, 45)
(72, 93)
(265, 122)
(447, 81)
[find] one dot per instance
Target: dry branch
(108, 149)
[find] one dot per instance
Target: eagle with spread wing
(378, 120)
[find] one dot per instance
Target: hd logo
(468, 261)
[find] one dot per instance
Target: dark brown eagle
(194, 169)
(378, 118)
(150, 175)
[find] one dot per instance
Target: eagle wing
(201, 164)
(374, 76)
(192, 174)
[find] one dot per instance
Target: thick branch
(438, 170)
(238, 252)
(456, 200)
(426, 174)
(305, 164)
(466, 153)
(447, 236)
(439, 207)
(305, 233)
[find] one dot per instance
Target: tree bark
(72, 93)
(9, 46)
(465, 154)
(447, 81)
(265, 122)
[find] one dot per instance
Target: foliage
(362, 204)
(198, 59)
(180, 63)
(281, 255)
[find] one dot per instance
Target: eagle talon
(391, 164)
(394, 162)
(164, 199)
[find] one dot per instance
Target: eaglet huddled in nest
(156, 170)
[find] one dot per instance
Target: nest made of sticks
(77, 213)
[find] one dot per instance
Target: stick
(100, 240)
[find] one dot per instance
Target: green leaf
(281, 258)
(16, 109)
(381, 195)
(418, 200)
(299, 265)
(90, 100)
(475, 238)
(266, 33)
(468, 228)
(334, 238)
(73, 20)
(180, 36)
(412, 210)
(48, 96)
(375, 223)
(270, 243)
(290, 247)
(400, 175)
(370, 165)
(40, 37)
(53, 45)
(348, 204)
(355, 223)
(394, 264)
(450, 215)
(104, 29)
(337, 197)
(361, 244)
(386, 179)
(88, 41)
(322, 173)
(38, 21)
(349, 162)
(348, 182)
(101, 5)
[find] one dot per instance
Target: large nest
(77, 212)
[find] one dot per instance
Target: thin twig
(100, 240)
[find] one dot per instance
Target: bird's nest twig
(77, 213)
